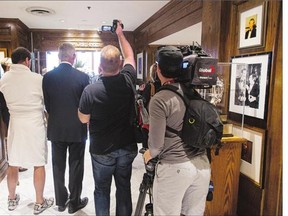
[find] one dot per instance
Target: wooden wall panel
(49, 40)
(13, 33)
(173, 17)
(272, 201)
(218, 40)
(225, 171)
(249, 197)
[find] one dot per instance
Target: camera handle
(114, 25)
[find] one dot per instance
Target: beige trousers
(181, 188)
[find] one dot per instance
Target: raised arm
(125, 46)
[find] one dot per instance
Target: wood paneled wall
(14, 33)
(272, 200)
(49, 40)
(173, 17)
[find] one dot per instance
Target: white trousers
(181, 188)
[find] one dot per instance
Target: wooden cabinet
(225, 171)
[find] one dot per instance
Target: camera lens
(106, 28)
(150, 166)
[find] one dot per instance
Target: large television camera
(199, 70)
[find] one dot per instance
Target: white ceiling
(91, 15)
(184, 37)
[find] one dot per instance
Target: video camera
(111, 28)
(199, 70)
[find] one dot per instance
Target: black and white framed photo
(140, 66)
(249, 85)
(252, 153)
(252, 26)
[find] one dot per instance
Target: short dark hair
(170, 59)
(20, 54)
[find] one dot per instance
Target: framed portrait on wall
(140, 66)
(249, 89)
(252, 153)
(3, 54)
(252, 26)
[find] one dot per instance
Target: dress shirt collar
(65, 62)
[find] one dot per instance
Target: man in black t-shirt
(107, 106)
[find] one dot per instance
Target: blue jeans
(118, 164)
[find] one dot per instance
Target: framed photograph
(3, 53)
(140, 66)
(252, 27)
(252, 153)
(249, 88)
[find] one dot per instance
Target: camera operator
(106, 105)
(182, 172)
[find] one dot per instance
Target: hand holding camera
(113, 27)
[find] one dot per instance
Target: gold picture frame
(3, 53)
(252, 26)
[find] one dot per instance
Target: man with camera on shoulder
(182, 172)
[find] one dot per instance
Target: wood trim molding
(173, 17)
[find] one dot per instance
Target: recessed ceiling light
(40, 11)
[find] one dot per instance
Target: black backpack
(202, 127)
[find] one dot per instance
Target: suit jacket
(253, 33)
(62, 89)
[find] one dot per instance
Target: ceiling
(91, 15)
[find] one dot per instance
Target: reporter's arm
(125, 46)
(83, 117)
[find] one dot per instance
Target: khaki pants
(181, 188)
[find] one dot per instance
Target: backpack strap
(177, 91)
(152, 89)
(132, 86)
(186, 95)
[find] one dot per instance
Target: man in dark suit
(251, 32)
(62, 89)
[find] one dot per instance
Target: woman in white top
(26, 138)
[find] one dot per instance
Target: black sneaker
(72, 209)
